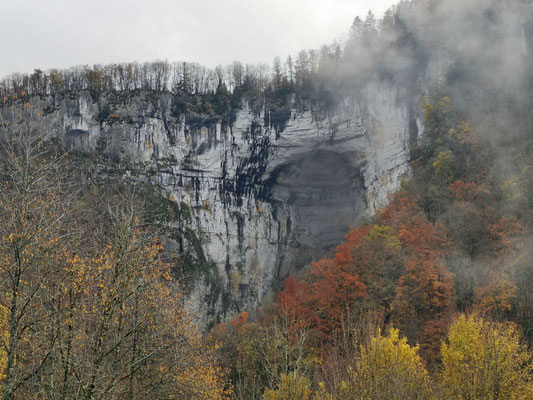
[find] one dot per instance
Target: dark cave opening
(324, 194)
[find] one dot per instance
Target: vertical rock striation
(260, 201)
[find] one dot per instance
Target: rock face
(263, 202)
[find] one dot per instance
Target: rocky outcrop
(262, 202)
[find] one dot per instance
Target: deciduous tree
(388, 369)
(484, 360)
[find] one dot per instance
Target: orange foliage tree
(395, 266)
(426, 288)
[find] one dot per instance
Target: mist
(411, 138)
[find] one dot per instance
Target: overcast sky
(60, 33)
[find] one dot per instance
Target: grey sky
(61, 33)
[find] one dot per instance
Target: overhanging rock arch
(324, 193)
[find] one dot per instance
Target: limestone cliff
(262, 199)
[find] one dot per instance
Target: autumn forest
(428, 298)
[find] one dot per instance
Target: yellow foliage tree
(389, 368)
(483, 360)
(291, 387)
(443, 166)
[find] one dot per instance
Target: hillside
(353, 222)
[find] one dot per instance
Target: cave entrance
(324, 196)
